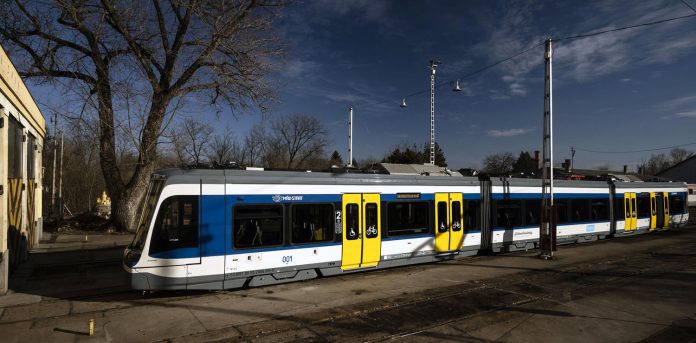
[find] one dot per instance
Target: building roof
(678, 165)
(417, 169)
(13, 88)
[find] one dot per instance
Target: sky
(624, 91)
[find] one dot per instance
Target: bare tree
(679, 154)
(254, 145)
(197, 137)
(655, 164)
(161, 51)
(294, 141)
(225, 148)
(500, 163)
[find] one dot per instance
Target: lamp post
(433, 65)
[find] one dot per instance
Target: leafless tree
(294, 141)
(191, 141)
(655, 164)
(679, 154)
(254, 146)
(225, 148)
(500, 163)
(162, 52)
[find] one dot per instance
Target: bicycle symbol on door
(371, 231)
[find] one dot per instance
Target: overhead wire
(566, 38)
(687, 5)
(635, 151)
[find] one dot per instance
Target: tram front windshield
(150, 202)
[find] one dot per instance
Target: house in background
(684, 171)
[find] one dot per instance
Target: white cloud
(676, 103)
(585, 59)
(298, 68)
(508, 132)
(686, 114)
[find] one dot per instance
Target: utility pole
(53, 178)
(350, 137)
(548, 213)
(572, 157)
(433, 64)
(60, 179)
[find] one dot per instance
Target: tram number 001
(287, 259)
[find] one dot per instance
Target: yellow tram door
(449, 226)
(372, 240)
(361, 231)
(634, 211)
(629, 212)
(653, 211)
(665, 198)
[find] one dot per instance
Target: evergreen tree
(525, 164)
(336, 159)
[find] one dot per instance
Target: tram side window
(312, 223)
(561, 210)
(580, 210)
(442, 225)
(257, 225)
(352, 218)
(643, 206)
(407, 218)
(508, 213)
(371, 222)
(176, 226)
(532, 212)
(456, 216)
(676, 204)
(472, 214)
(600, 209)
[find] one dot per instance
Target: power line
(634, 151)
(480, 70)
(584, 35)
(591, 34)
(687, 5)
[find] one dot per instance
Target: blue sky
(629, 90)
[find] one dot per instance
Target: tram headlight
(131, 257)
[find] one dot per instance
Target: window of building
(352, 218)
(600, 209)
(31, 156)
(508, 213)
(176, 226)
(406, 218)
(643, 205)
(14, 149)
(257, 225)
(312, 223)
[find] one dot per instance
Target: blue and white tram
(222, 229)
